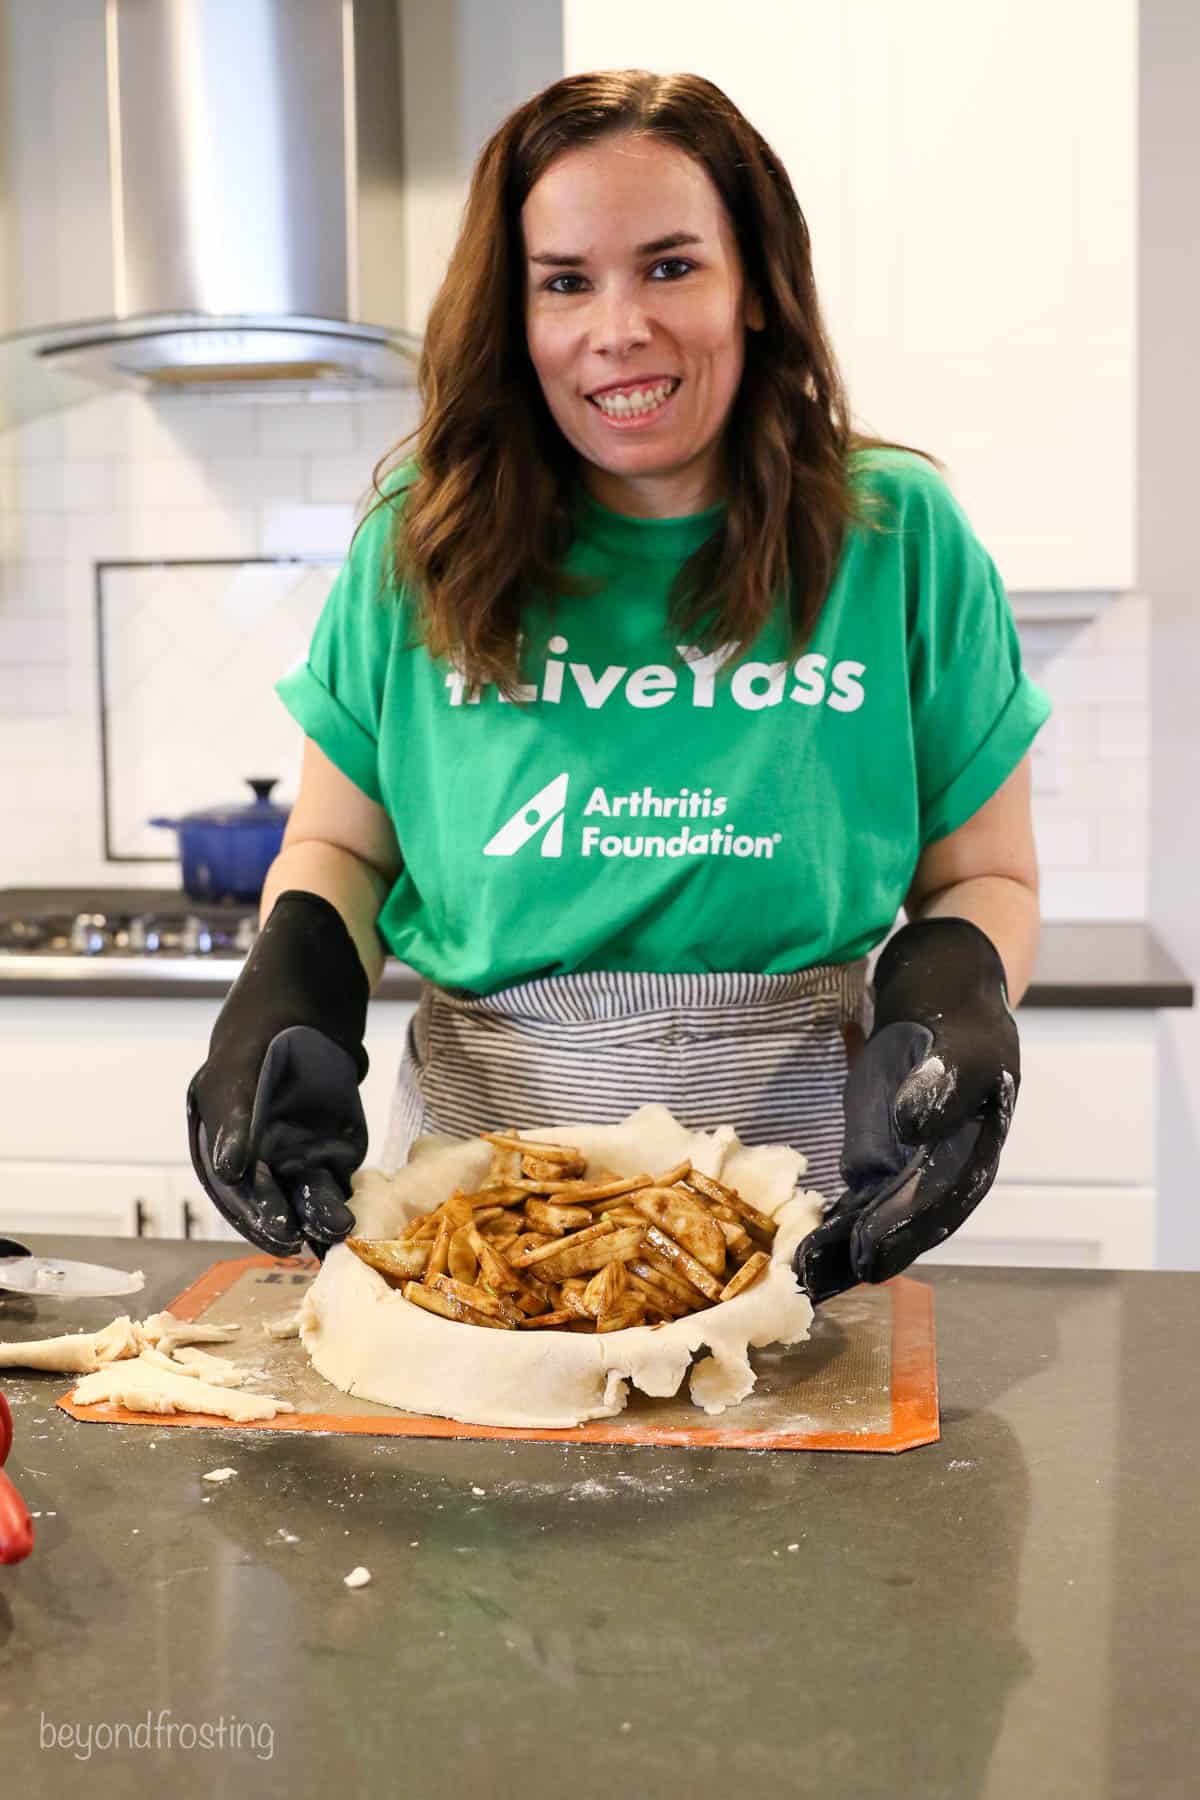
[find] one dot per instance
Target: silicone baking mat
(866, 1379)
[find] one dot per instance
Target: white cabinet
(1076, 1182)
(122, 1200)
(189, 1213)
(1085, 1113)
(1056, 1227)
(93, 1137)
(968, 174)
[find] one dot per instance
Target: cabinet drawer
(86, 1200)
(189, 1213)
(106, 1080)
(1085, 1113)
(1048, 1227)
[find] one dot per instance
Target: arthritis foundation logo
(698, 813)
(543, 812)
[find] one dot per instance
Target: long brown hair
(488, 516)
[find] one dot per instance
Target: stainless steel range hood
(200, 196)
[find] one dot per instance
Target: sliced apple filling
(547, 1243)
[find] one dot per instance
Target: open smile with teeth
(635, 403)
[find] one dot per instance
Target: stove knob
(90, 934)
(195, 938)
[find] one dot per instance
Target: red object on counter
(16, 1527)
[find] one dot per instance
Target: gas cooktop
(133, 942)
(121, 923)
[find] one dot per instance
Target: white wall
(1169, 387)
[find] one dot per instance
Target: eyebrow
(656, 245)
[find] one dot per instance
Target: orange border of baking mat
(914, 1393)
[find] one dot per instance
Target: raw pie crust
(365, 1338)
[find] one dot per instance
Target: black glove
(928, 1104)
(275, 1121)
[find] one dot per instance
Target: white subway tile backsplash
(183, 482)
(1042, 640)
(1073, 728)
(99, 536)
(45, 587)
(1122, 839)
(187, 533)
(289, 530)
(380, 421)
(40, 692)
(1098, 788)
(320, 427)
(338, 478)
(67, 486)
(1098, 677)
(111, 427)
(1093, 893)
(37, 536)
(1119, 732)
(1064, 840)
(28, 642)
(212, 426)
(1124, 624)
(50, 745)
(37, 440)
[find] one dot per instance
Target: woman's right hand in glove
(275, 1120)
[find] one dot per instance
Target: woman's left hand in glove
(928, 1103)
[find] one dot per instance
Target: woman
(648, 695)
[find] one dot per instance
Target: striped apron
(766, 1054)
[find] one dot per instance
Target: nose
(618, 324)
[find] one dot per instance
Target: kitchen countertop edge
(1088, 966)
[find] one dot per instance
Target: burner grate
(131, 928)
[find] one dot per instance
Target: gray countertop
(1086, 964)
(1014, 1611)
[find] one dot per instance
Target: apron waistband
(595, 995)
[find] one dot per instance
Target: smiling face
(610, 304)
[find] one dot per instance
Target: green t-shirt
(643, 812)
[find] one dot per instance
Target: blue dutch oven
(226, 850)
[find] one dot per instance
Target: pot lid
(262, 810)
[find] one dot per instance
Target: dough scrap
(143, 1386)
(287, 1325)
(78, 1353)
(165, 1332)
(83, 1352)
(217, 1369)
(150, 1355)
(365, 1338)
(132, 1365)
